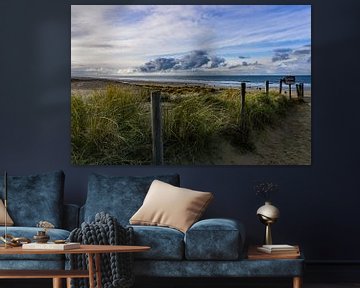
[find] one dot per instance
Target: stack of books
(273, 252)
(279, 249)
(51, 246)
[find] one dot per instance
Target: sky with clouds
(190, 39)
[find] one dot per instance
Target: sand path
(289, 143)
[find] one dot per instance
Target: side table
(289, 259)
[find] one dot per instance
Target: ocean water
(221, 80)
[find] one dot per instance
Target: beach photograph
(191, 84)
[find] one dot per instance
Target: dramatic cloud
(245, 64)
(193, 60)
(302, 52)
(159, 64)
(256, 63)
(281, 54)
(305, 50)
(217, 61)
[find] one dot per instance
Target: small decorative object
(268, 213)
(11, 241)
(41, 236)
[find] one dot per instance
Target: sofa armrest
(71, 216)
(215, 239)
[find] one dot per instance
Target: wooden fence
(157, 125)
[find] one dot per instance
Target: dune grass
(112, 126)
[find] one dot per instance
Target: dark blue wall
(318, 202)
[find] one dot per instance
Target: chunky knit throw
(116, 268)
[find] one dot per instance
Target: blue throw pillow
(35, 198)
(120, 196)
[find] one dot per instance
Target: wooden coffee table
(93, 251)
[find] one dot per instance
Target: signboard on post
(289, 80)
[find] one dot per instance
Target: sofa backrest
(120, 196)
(35, 198)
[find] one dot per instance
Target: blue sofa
(32, 199)
(210, 248)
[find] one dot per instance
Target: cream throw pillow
(170, 206)
(10, 222)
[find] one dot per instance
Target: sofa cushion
(120, 196)
(9, 221)
(165, 243)
(214, 239)
(170, 206)
(35, 198)
(29, 232)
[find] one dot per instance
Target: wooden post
(302, 89)
(243, 93)
(267, 87)
(289, 91)
(280, 87)
(298, 94)
(156, 128)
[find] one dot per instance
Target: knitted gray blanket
(116, 268)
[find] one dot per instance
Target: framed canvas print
(191, 85)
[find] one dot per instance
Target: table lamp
(268, 214)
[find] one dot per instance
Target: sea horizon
(252, 81)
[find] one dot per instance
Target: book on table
(254, 253)
(51, 246)
(278, 249)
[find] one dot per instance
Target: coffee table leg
(68, 282)
(297, 282)
(57, 283)
(91, 270)
(98, 270)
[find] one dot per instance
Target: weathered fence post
(267, 87)
(280, 87)
(290, 91)
(298, 93)
(243, 92)
(156, 128)
(302, 89)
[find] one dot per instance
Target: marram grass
(113, 126)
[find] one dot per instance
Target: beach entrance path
(288, 143)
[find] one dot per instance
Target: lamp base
(268, 237)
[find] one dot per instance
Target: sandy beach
(286, 143)
(87, 85)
